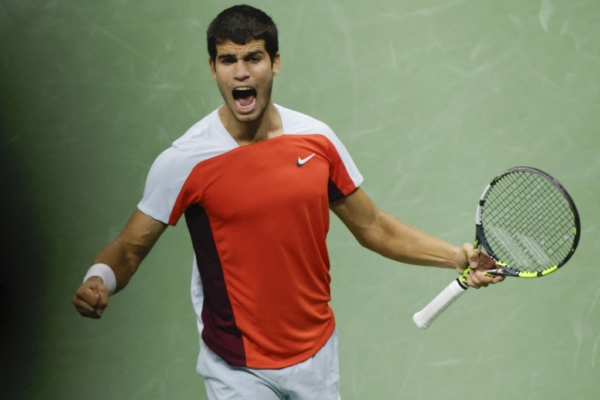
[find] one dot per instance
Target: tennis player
(255, 182)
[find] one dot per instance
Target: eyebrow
(228, 56)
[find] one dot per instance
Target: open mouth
(245, 97)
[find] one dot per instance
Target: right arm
(124, 255)
(388, 236)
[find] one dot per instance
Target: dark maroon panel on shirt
(334, 192)
(220, 332)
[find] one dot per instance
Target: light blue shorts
(314, 379)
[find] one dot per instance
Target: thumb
(474, 261)
(472, 256)
(102, 302)
(99, 293)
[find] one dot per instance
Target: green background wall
(431, 97)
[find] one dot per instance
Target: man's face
(244, 74)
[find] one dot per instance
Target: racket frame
(482, 242)
(458, 287)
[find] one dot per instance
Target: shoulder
(202, 141)
(295, 122)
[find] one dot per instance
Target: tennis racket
(527, 222)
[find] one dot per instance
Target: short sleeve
(163, 185)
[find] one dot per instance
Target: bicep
(141, 232)
(390, 237)
(360, 215)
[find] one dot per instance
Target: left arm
(386, 235)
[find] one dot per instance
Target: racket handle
(427, 315)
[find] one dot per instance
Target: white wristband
(105, 273)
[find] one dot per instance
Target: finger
(483, 279)
(85, 313)
(86, 298)
(472, 256)
(490, 279)
(83, 305)
(486, 262)
(479, 279)
(472, 280)
(84, 308)
(99, 291)
(102, 301)
(91, 298)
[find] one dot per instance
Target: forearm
(118, 261)
(392, 238)
(401, 242)
(122, 259)
(125, 254)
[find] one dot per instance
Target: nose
(241, 72)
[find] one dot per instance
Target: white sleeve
(163, 185)
(349, 164)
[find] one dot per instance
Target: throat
(266, 126)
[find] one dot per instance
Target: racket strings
(527, 222)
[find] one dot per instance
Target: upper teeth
(243, 88)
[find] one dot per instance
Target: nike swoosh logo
(302, 161)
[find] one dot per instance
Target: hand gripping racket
(527, 222)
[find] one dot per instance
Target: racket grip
(431, 311)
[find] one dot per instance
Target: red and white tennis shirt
(258, 216)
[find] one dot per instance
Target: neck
(267, 126)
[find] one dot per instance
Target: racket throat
(504, 271)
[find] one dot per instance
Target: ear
(213, 67)
(276, 65)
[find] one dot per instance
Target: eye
(227, 60)
(254, 58)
